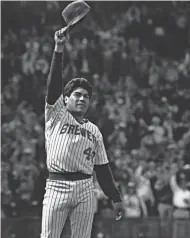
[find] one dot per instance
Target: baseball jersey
(71, 146)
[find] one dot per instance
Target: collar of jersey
(85, 120)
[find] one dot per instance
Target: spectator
(134, 205)
(181, 197)
(135, 208)
(144, 190)
(163, 197)
(181, 203)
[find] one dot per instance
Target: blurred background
(137, 56)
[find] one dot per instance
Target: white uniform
(70, 147)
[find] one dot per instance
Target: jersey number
(89, 153)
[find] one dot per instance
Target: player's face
(78, 101)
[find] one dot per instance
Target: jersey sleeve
(101, 155)
(52, 111)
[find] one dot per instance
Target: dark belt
(69, 176)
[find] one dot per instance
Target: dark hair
(77, 83)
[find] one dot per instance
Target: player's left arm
(107, 182)
(108, 185)
(105, 177)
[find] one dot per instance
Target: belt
(68, 176)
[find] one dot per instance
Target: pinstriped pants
(68, 198)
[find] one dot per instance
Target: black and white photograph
(95, 119)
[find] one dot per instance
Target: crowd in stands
(136, 56)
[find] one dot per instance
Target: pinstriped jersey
(71, 146)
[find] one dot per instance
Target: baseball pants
(68, 198)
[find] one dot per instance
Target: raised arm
(54, 81)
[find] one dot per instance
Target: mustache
(83, 104)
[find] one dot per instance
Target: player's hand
(119, 210)
(61, 37)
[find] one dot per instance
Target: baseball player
(74, 148)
